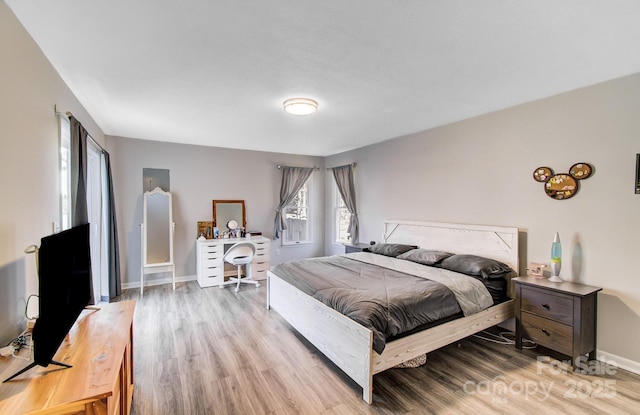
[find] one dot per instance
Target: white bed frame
(350, 345)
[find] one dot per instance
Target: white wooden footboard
(350, 345)
(345, 342)
(409, 347)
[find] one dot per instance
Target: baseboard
(159, 281)
(618, 361)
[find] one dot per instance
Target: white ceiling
(216, 72)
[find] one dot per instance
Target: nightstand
(349, 248)
(558, 315)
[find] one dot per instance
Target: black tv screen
(64, 288)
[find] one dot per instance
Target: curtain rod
(337, 167)
(314, 168)
(55, 110)
(69, 114)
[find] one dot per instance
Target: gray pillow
(425, 256)
(392, 250)
(476, 265)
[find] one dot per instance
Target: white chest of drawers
(210, 267)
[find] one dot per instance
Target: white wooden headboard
(496, 242)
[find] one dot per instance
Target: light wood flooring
(213, 351)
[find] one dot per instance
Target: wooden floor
(213, 351)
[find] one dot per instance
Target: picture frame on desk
(205, 228)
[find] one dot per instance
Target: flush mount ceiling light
(300, 106)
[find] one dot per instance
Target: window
(96, 200)
(341, 218)
(65, 178)
(297, 216)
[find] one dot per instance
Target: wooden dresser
(100, 349)
(558, 315)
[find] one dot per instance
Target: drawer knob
(545, 305)
(546, 332)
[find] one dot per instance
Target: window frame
(64, 170)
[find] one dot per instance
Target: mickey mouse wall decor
(562, 186)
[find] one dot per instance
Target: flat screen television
(64, 271)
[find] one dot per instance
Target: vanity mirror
(229, 210)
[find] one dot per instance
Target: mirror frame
(145, 228)
(244, 212)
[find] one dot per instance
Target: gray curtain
(115, 284)
(78, 172)
(347, 188)
(293, 178)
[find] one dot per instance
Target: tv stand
(100, 348)
(34, 364)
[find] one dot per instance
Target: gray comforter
(379, 292)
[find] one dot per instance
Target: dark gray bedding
(387, 301)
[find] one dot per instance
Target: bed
(350, 345)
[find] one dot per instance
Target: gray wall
(480, 171)
(30, 88)
(199, 175)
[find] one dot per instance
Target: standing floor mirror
(157, 231)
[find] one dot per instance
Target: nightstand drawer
(547, 304)
(548, 333)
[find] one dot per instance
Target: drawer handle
(546, 332)
(545, 305)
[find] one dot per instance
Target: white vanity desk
(210, 270)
